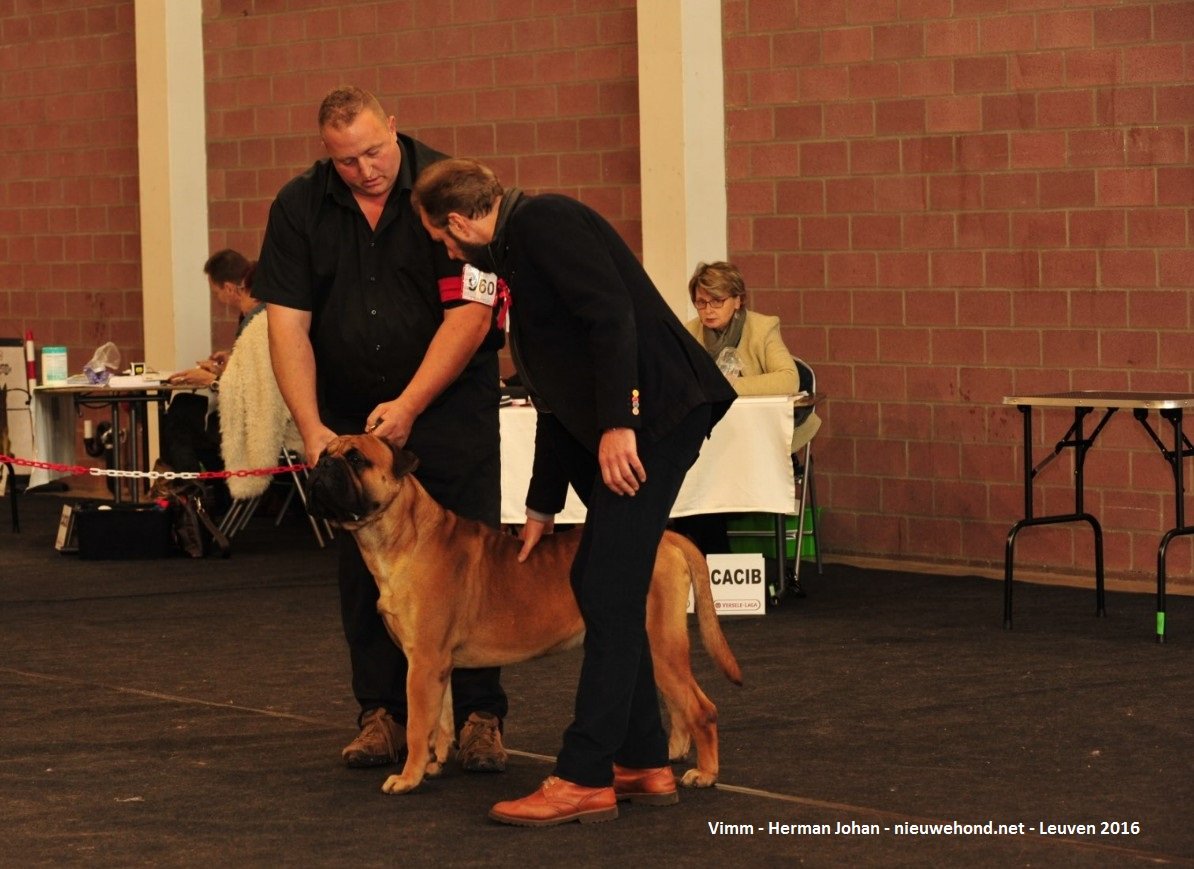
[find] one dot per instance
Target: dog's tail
(711, 636)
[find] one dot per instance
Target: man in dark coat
(625, 397)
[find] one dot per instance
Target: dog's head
(356, 478)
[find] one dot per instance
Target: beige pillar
(682, 141)
(172, 158)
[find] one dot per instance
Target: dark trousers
(617, 718)
(707, 530)
(460, 466)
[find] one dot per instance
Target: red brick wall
(947, 201)
(950, 201)
(545, 92)
(70, 253)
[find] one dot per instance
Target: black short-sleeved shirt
(376, 295)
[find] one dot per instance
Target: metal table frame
(1170, 407)
(134, 398)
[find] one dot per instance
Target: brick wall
(70, 253)
(545, 92)
(946, 201)
(950, 201)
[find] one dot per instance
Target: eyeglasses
(715, 304)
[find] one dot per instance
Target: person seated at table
(255, 423)
(229, 275)
(749, 350)
(191, 425)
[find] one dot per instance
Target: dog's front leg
(426, 683)
(445, 734)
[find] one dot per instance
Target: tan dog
(453, 594)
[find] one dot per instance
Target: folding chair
(242, 509)
(803, 466)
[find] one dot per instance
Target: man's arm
(453, 345)
(293, 361)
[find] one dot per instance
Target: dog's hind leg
(701, 717)
(426, 684)
(444, 736)
(679, 740)
(693, 717)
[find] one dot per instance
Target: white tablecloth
(745, 467)
(55, 419)
(54, 422)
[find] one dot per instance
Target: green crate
(757, 532)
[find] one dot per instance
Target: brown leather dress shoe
(558, 802)
(382, 741)
(652, 787)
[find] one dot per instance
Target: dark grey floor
(179, 712)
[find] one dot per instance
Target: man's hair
(227, 266)
(342, 105)
(464, 186)
(721, 280)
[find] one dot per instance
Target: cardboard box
(122, 531)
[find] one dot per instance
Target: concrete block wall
(950, 201)
(946, 201)
(546, 92)
(70, 253)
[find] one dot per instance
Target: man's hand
(617, 455)
(391, 421)
(314, 442)
(530, 534)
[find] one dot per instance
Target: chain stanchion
(84, 471)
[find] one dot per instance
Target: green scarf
(715, 341)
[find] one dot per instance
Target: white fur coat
(255, 424)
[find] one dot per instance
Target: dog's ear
(404, 463)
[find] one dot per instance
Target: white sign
(739, 585)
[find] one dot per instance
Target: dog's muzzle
(334, 491)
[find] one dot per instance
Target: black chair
(787, 579)
(242, 509)
(802, 463)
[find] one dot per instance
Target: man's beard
(474, 254)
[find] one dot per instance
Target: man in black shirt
(371, 330)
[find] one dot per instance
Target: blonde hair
(721, 280)
(343, 104)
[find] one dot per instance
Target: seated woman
(255, 424)
(230, 277)
(191, 424)
(749, 350)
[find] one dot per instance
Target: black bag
(122, 531)
(194, 531)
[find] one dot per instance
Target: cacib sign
(738, 583)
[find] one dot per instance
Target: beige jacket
(767, 366)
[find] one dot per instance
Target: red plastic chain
(82, 470)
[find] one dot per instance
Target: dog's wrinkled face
(356, 478)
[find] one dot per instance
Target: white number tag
(478, 286)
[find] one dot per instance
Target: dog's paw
(696, 778)
(434, 769)
(397, 784)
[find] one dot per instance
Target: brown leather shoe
(558, 802)
(652, 787)
(481, 744)
(382, 741)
